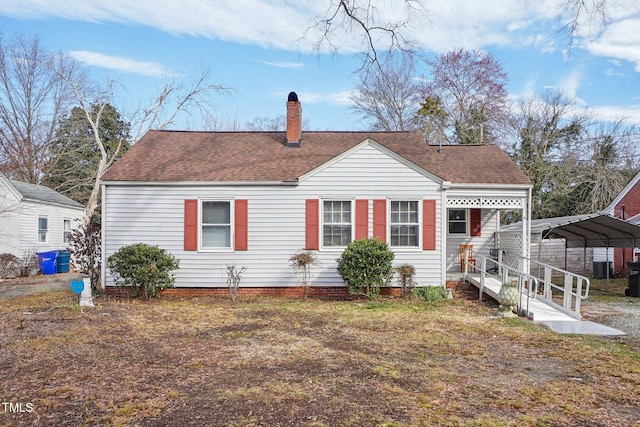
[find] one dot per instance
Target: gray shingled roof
(43, 194)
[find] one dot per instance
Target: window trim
(420, 224)
(467, 227)
(231, 246)
(352, 214)
(46, 230)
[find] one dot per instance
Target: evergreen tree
(73, 167)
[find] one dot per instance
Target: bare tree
(362, 20)
(274, 124)
(577, 164)
(546, 132)
(175, 98)
(33, 97)
(387, 94)
(602, 175)
(581, 18)
(471, 86)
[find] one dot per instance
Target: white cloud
(122, 64)
(336, 98)
(284, 64)
(631, 114)
(570, 84)
(282, 24)
(621, 41)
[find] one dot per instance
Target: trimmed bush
(301, 262)
(147, 268)
(366, 266)
(405, 278)
(431, 293)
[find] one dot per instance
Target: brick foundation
(335, 293)
(330, 293)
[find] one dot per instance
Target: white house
(253, 199)
(35, 218)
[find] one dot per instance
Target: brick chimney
(294, 120)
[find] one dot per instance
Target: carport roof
(590, 230)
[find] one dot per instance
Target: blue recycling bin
(47, 262)
(62, 262)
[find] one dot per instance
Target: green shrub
(431, 293)
(147, 268)
(366, 266)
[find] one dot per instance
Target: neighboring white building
(34, 218)
(215, 199)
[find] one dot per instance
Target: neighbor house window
(43, 229)
(457, 221)
(337, 223)
(405, 226)
(66, 230)
(216, 224)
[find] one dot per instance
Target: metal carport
(585, 231)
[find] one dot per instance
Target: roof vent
(294, 120)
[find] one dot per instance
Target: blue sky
(255, 47)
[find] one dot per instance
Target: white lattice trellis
(485, 202)
(511, 245)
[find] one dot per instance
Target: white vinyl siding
(276, 221)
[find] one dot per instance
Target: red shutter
(475, 221)
(241, 225)
(362, 219)
(380, 219)
(190, 225)
(428, 225)
(312, 218)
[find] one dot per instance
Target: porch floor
(541, 312)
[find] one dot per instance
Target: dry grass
(279, 362)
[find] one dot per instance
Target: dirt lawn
(282, 362)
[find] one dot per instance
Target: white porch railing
(539, 286)
(574, 289)
(527, 283)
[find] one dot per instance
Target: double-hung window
(216, 224)
(457, 221)
(66, 230)
(43, 229)
(337, 223)
(405, 223)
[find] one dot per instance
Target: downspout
(623, 249)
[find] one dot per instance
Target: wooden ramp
(542, 311)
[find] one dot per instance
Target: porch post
(526, 232)
(443, 231)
